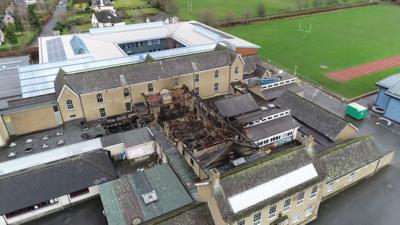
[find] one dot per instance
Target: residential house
(106, 18)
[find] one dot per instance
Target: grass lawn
(338, 40)
(221, 8)
(23, 40)
(145, 11)
(129, 3)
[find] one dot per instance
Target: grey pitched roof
(250, 63)
(129, 138)
(123, 202)
(92, 81)
(311, 114)
(246, 177)
(273, 93)
(236, 105)
(108, 16)
(392, 83)
(32, 100)
(194, 214)
(26, 188)
(271, 128)
(349, 156)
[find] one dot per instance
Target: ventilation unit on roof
(12, 144)
(59, 133)
(45, 145)
(150, 197)
(45, 137)
(61, 142)
(29, 140)
(12, 155)
(264, 108)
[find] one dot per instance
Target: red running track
(365, 69)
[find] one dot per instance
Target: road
(47, 29)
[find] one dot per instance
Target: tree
(261, 9)
(10, 35)
(170, 6)
(22, 14)
(229, 18)
(247, 15)
(33, 18)
(207, 17)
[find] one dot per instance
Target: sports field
(325, 43)
(238, 8)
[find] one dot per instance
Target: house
(389, 97)
(1, 37)
(106, 18)
(162, 16)
(100, 5)
(38, 191)
(8, 19)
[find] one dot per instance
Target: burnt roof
(312, 115)
(271, 128)
(38, 184)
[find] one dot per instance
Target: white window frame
(296, 218)
(257, 218)
(69, 106)
(286, 208)
(241, 222)
(313, 193)
(105, 114)
(272, 211)
(300, 201)
(309, 211)
(196, 78)
(216, 87)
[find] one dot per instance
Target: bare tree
(207, 17)
(261, 9)
(247, 15)
(4, 4)
(171, 7)
(22, 13)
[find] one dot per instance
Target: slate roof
(129, 138)
(312, 115)
(29, 187)
(349, 156)
(32, 100)
(248, 176)
(273, 93)
(193, 214)
(236, 105)
(271, 128)
(123, 202)
(108, 16)
(250, 63)
(92, 81)
(392, 83)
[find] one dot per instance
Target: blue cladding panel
(382, 99)
(393, 109)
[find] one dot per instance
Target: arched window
(150, 87)
(126, 92)
(70, 105)
(99, 98)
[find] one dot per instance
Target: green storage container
(356, 111)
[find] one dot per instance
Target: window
(216, 74)
(286, 204)
(296, 218)
(55, 108)
(300, 198)
(176, 82)
(309, 211)
(196, 90)
(70, 105)
(351, 176)
(191, 162)
(314, 191)
(196, 78)
(257, 219)
(150, 87)
(31, 208)
(237, 70)
(216, 87)
(102, 112)
(99, 98)
(330, 187)
(241, 222)
(272, 211)
(126, 92)
(72, 116)
(128, 106)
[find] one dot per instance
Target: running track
(365, 69)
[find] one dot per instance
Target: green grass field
(221, 8)
(338, 40)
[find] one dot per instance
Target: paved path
(47, 29)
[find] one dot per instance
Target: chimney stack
(214, 178)
(309, 145)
